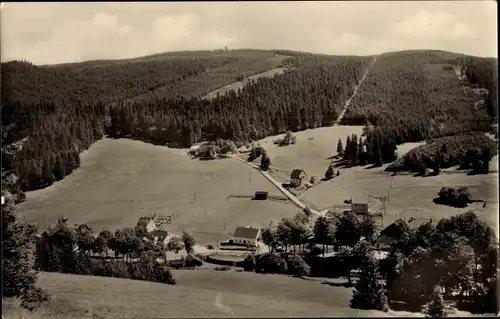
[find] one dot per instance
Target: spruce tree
(368, 291)
(435, 307)
(340, 148)
(18, 251)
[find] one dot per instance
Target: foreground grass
(121, 180)
(198, 293)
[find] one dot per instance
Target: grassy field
(311, 152)
(121, 180)
(408, 196)
(198, 293)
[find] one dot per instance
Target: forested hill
(52, 113)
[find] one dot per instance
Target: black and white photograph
(249, 159)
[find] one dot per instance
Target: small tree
(265, 162)
(340, 148)
(329, 172)
(435, 307)
(269, 238)
(189, 242)
(18, 273)
(368, 228)
(368, 291)
(348, 230)
(438, 162)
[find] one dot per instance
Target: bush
(33, 298)
(271, 263)
(454, 197)
(297, 266)
(249, 263)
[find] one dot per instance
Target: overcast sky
(46, 33)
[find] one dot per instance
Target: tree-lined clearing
(122, 180)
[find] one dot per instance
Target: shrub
(271, 263)
(297, 266)
(454, 197)
(249, 263)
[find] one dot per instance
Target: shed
(261, 195)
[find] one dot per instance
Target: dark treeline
(309, 96)
(468, 151)
(484, 73)
(407, 104)
(51, 114)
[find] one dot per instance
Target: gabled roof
(143, 221)
(389, 230)
(417, 222)
(296, 173)
(161, 234)
(244, 232)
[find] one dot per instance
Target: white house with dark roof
(297, 177)
(247, 236)
(147, 223)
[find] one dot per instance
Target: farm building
(297, 177)
(159, 236)
(146, 223)
(247, 236)
(261, 195)
(359, 208)
(394, 230)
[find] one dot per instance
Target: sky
(48, 33)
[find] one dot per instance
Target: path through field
(348, 102)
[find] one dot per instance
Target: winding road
(278, 184)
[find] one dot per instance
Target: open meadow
(312, 152)
(215, 294)
(121, 180)
(409, 196)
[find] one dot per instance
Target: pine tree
(368, 291)
(18, 248)
(435, 307)
(340, 148)
(347, 148)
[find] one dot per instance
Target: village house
(159, 236)
(147, 224)
(246, 236)
(297, 177)
(389, 234)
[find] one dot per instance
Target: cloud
(62, 32)
(433, 26)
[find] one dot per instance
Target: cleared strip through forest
(348, 102)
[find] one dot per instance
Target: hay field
(121, 180)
